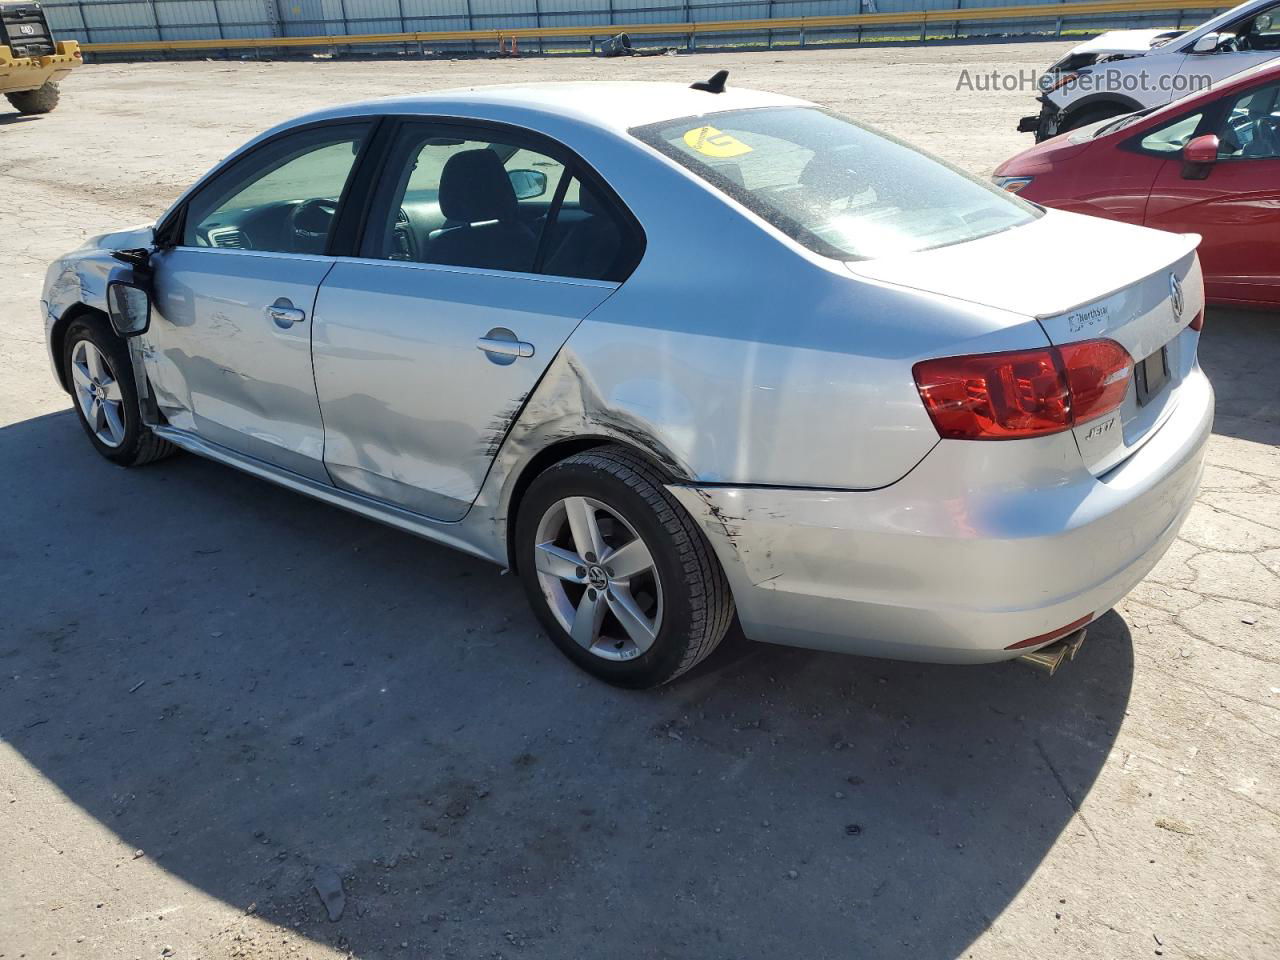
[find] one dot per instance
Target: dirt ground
(212, 689)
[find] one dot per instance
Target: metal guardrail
(688, 29)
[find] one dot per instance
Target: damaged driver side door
(229, 351)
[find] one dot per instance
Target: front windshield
(838, 188)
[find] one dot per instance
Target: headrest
(831, 175)
(474, 187)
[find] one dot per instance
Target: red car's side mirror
(1199, 156)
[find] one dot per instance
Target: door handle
(503, 349)
(284, 314)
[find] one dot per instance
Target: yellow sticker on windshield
(715, 143)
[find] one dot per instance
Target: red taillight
(1023, 393)
(1197, 323)
(1098, 373)
(995, 395)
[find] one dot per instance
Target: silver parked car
(672, 354)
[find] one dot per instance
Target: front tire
(99, 375)
(617, 572)
(40, 100)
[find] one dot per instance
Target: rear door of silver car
(483, 249)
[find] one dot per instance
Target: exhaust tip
(1050, 658)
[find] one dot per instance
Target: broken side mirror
(1199, 156)
(129, 307)
(1208, 43)
(528, 183)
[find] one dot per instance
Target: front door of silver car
(229, 352)
(1240, 43)
(481, 254)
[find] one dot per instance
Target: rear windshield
(842, 190)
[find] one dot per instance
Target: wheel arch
(58, 334)
(548, 457)
(1104, 99)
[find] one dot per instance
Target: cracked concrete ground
(211, 689)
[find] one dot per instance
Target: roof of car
(617, 105)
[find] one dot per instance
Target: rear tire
(41, 100)
(659, 608)
(99, 376)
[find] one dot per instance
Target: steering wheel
(309, 222)
(1268, 134)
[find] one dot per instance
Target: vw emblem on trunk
(1175, 297)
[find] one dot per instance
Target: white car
(1128, 70)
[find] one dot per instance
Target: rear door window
(591, 239)
(472, 197)
(459, 200)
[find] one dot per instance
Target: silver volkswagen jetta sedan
(673, 354)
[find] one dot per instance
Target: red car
(1206, 164)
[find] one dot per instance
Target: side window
(1251, 126)
(1262, 31)
(589, 240)
(281, 198)
(1172, 137)
(463, 202)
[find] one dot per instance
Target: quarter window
(1172, 137)
(281, 198)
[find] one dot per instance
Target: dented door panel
(222, 368)
(414, 410)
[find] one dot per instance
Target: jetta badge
(1175, 297)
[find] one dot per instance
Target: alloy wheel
(599, 578)
(98, 393)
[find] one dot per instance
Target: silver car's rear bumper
(981, 546)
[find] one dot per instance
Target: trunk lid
(1082, 278)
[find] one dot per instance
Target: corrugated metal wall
(123, 20)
